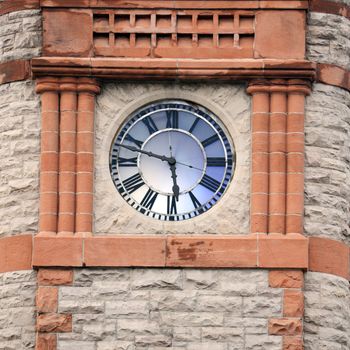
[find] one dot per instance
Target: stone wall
(228, 101)
(19, 154)
(327, 172)
(20, 35)
(328, 39)
(157, 309)
(17, 310)
(327, 312)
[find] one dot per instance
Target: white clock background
(116, 102)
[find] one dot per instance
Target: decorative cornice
(183, 4)
(183, 69)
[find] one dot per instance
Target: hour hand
(176, 188)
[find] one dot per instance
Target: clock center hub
(184, 151)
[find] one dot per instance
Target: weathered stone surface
(55, 277)
(116, 102)
(54, 323)
(20, 35)
(327, 167)
(159, 309)
(47, 299)
(328, 39)
(19, 153)
(156, 278)
(327, 312)
(17, 310)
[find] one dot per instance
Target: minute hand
(150, 154)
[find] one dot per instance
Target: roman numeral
(194, 125)
(216, 161)
(149, 199)
(171, 205)
(210, 140)
(151, 126)
(172, 119)
(132, 183)
(135, 141)
(210, 183)
(126, 162)
(195, 201)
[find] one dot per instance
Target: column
(87, 89)
(277, 158)
(297, 91)
(68, 108)
(260, 156)
(49, 90)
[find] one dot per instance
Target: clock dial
(172, 160)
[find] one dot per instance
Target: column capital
(47, 84)
(88, 85)
(302, 86)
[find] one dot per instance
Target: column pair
(277, 188)
(66, 167)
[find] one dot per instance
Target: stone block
(54, 323)
(156, 278)
(55, 277)
(127, 309)
(47, 299)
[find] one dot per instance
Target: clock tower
(175, 175)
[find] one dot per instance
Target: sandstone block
(54, 323)
(293, 303)
(285, 326)
(47, 299)
(55, 277)
(286, 279)
(46, 341)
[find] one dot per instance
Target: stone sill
(202, 251)
(290, 251)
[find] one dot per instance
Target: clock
(172, 160)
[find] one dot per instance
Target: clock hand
(171, 161)
(189, 166)
(150, 154)
(176, 188)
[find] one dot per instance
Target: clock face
(172, 160)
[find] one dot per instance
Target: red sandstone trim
(333, 75)
(262, 251)
(15, 70)
(329, 256)
(16, 253)
(290, 326)
(48, 321)
(221, 69)
(331, 7)
(18, 5)
(182, 4)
